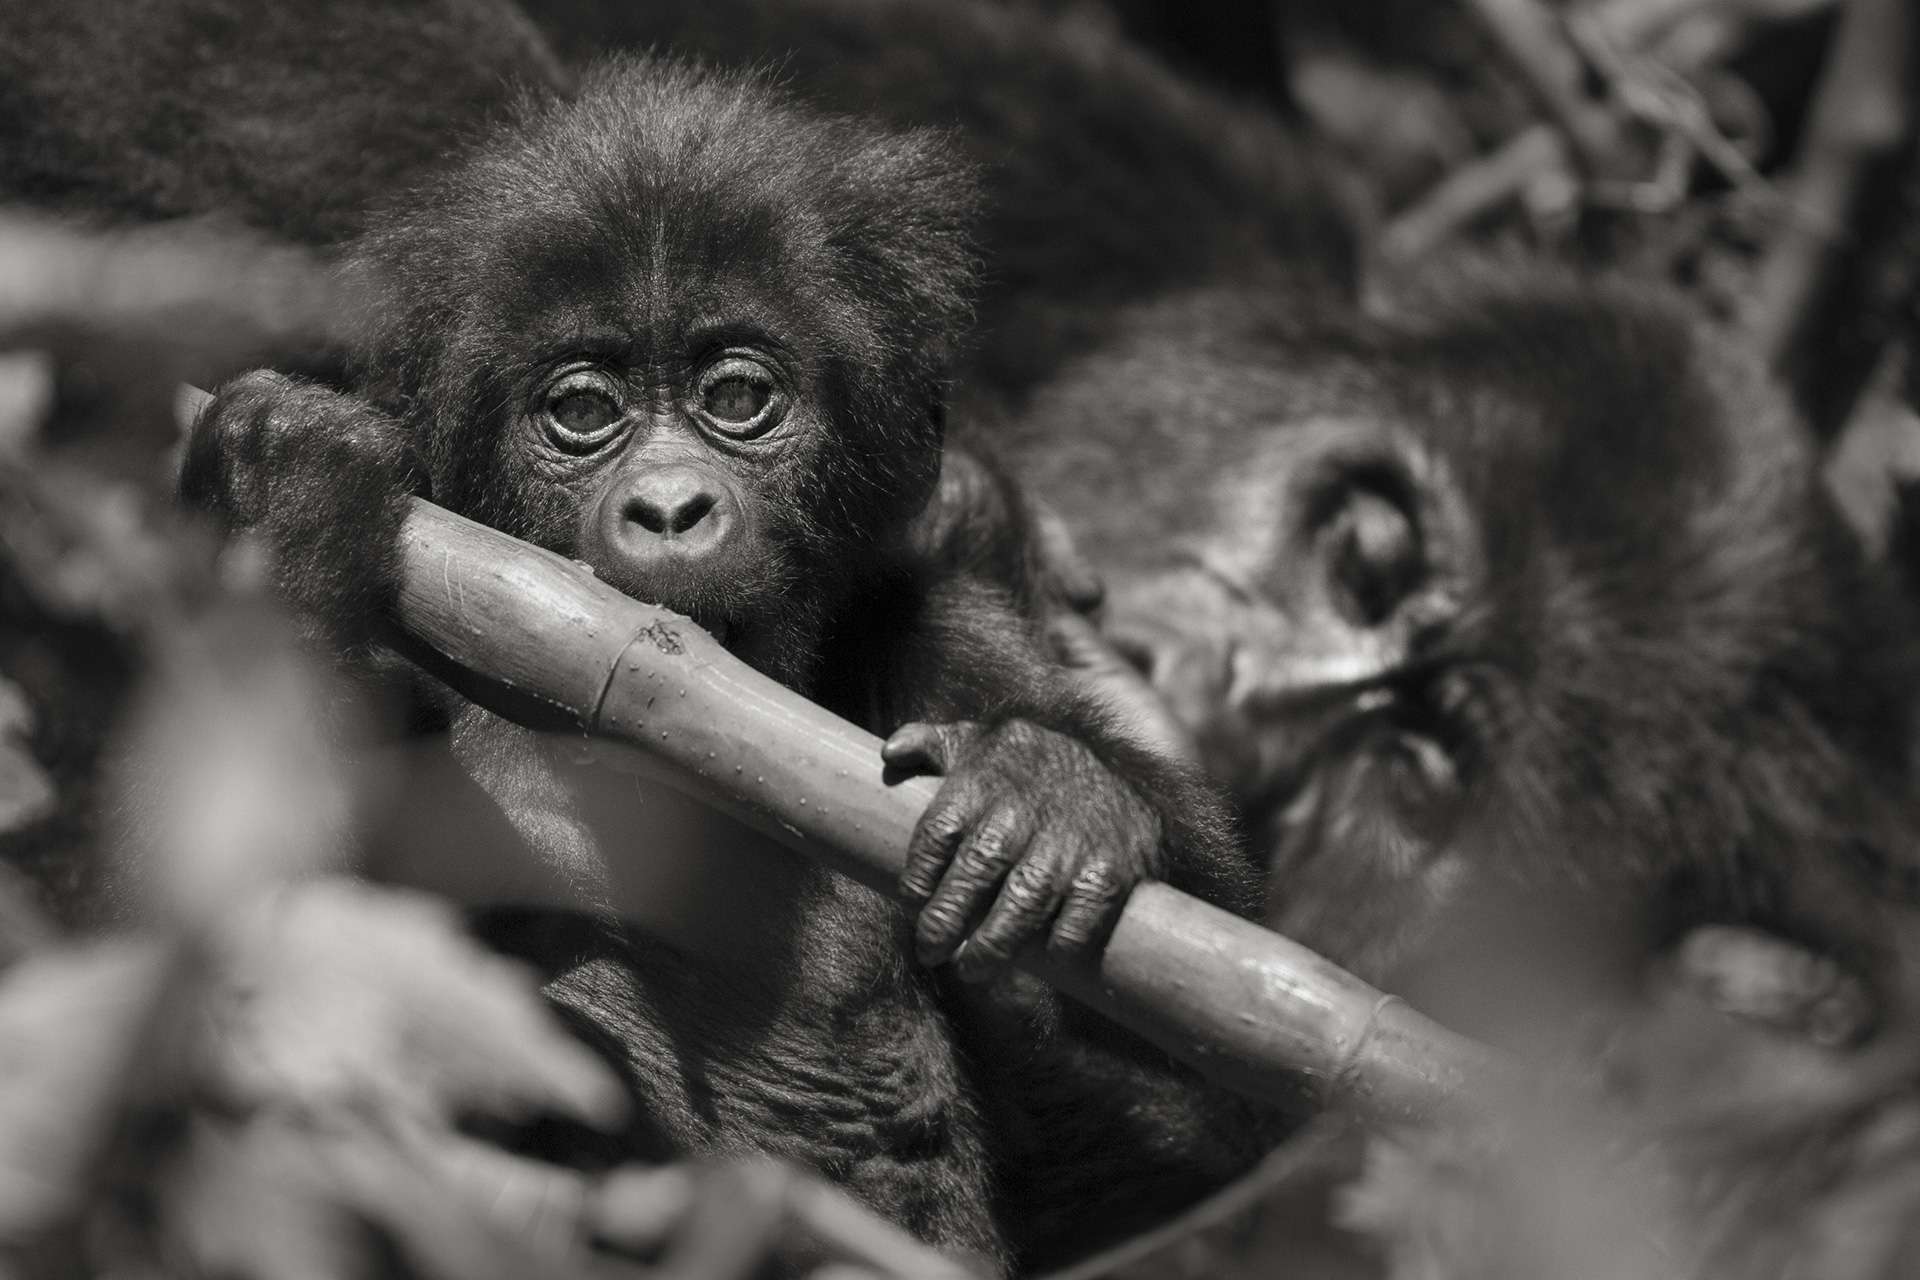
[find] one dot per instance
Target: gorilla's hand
(321, 478)
(1031, 838)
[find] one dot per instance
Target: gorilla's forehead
(666, 268)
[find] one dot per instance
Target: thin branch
(202, 288)
(1473, 191)
(1539, 49)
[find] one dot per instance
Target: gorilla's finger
(1093, 904)
(988, 852)
(930, 851)
(920, 748)
(1028, 899)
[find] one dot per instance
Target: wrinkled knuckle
(943, 824)
(940, 922)
(1095, 882)
(1080, 927)
(1029, 883)
(1036, 871)
(917, 881)
(1073, 935)
(986, 851)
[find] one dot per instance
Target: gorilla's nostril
(648, 515)
(690, 513)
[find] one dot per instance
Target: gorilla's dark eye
(582, 413)
(740, 397)
(735, 400)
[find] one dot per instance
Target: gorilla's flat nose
(669, 502)
(679, 514)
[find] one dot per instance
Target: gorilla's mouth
(707, 609)
(1271, 743)
(1382, 746)
(752, 613)
(773, 641)
(1290, 744)
(1301, 712)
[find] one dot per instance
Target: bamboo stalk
(549, 642)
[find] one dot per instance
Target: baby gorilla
(698, 339)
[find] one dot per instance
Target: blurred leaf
(724, 1220)
(74, 1028)
(236, 778)
(250, 1202)
(26, 793)
(335, 995)
(272, 1199)
(26, 393)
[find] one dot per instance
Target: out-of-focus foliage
(1719, 1136)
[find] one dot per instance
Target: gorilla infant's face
(687, 333)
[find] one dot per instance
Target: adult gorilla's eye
(740, 397)
(582, 413)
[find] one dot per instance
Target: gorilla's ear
(904, 233)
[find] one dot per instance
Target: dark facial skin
(678, 474)
(666, 511)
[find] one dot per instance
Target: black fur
(293, 118)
